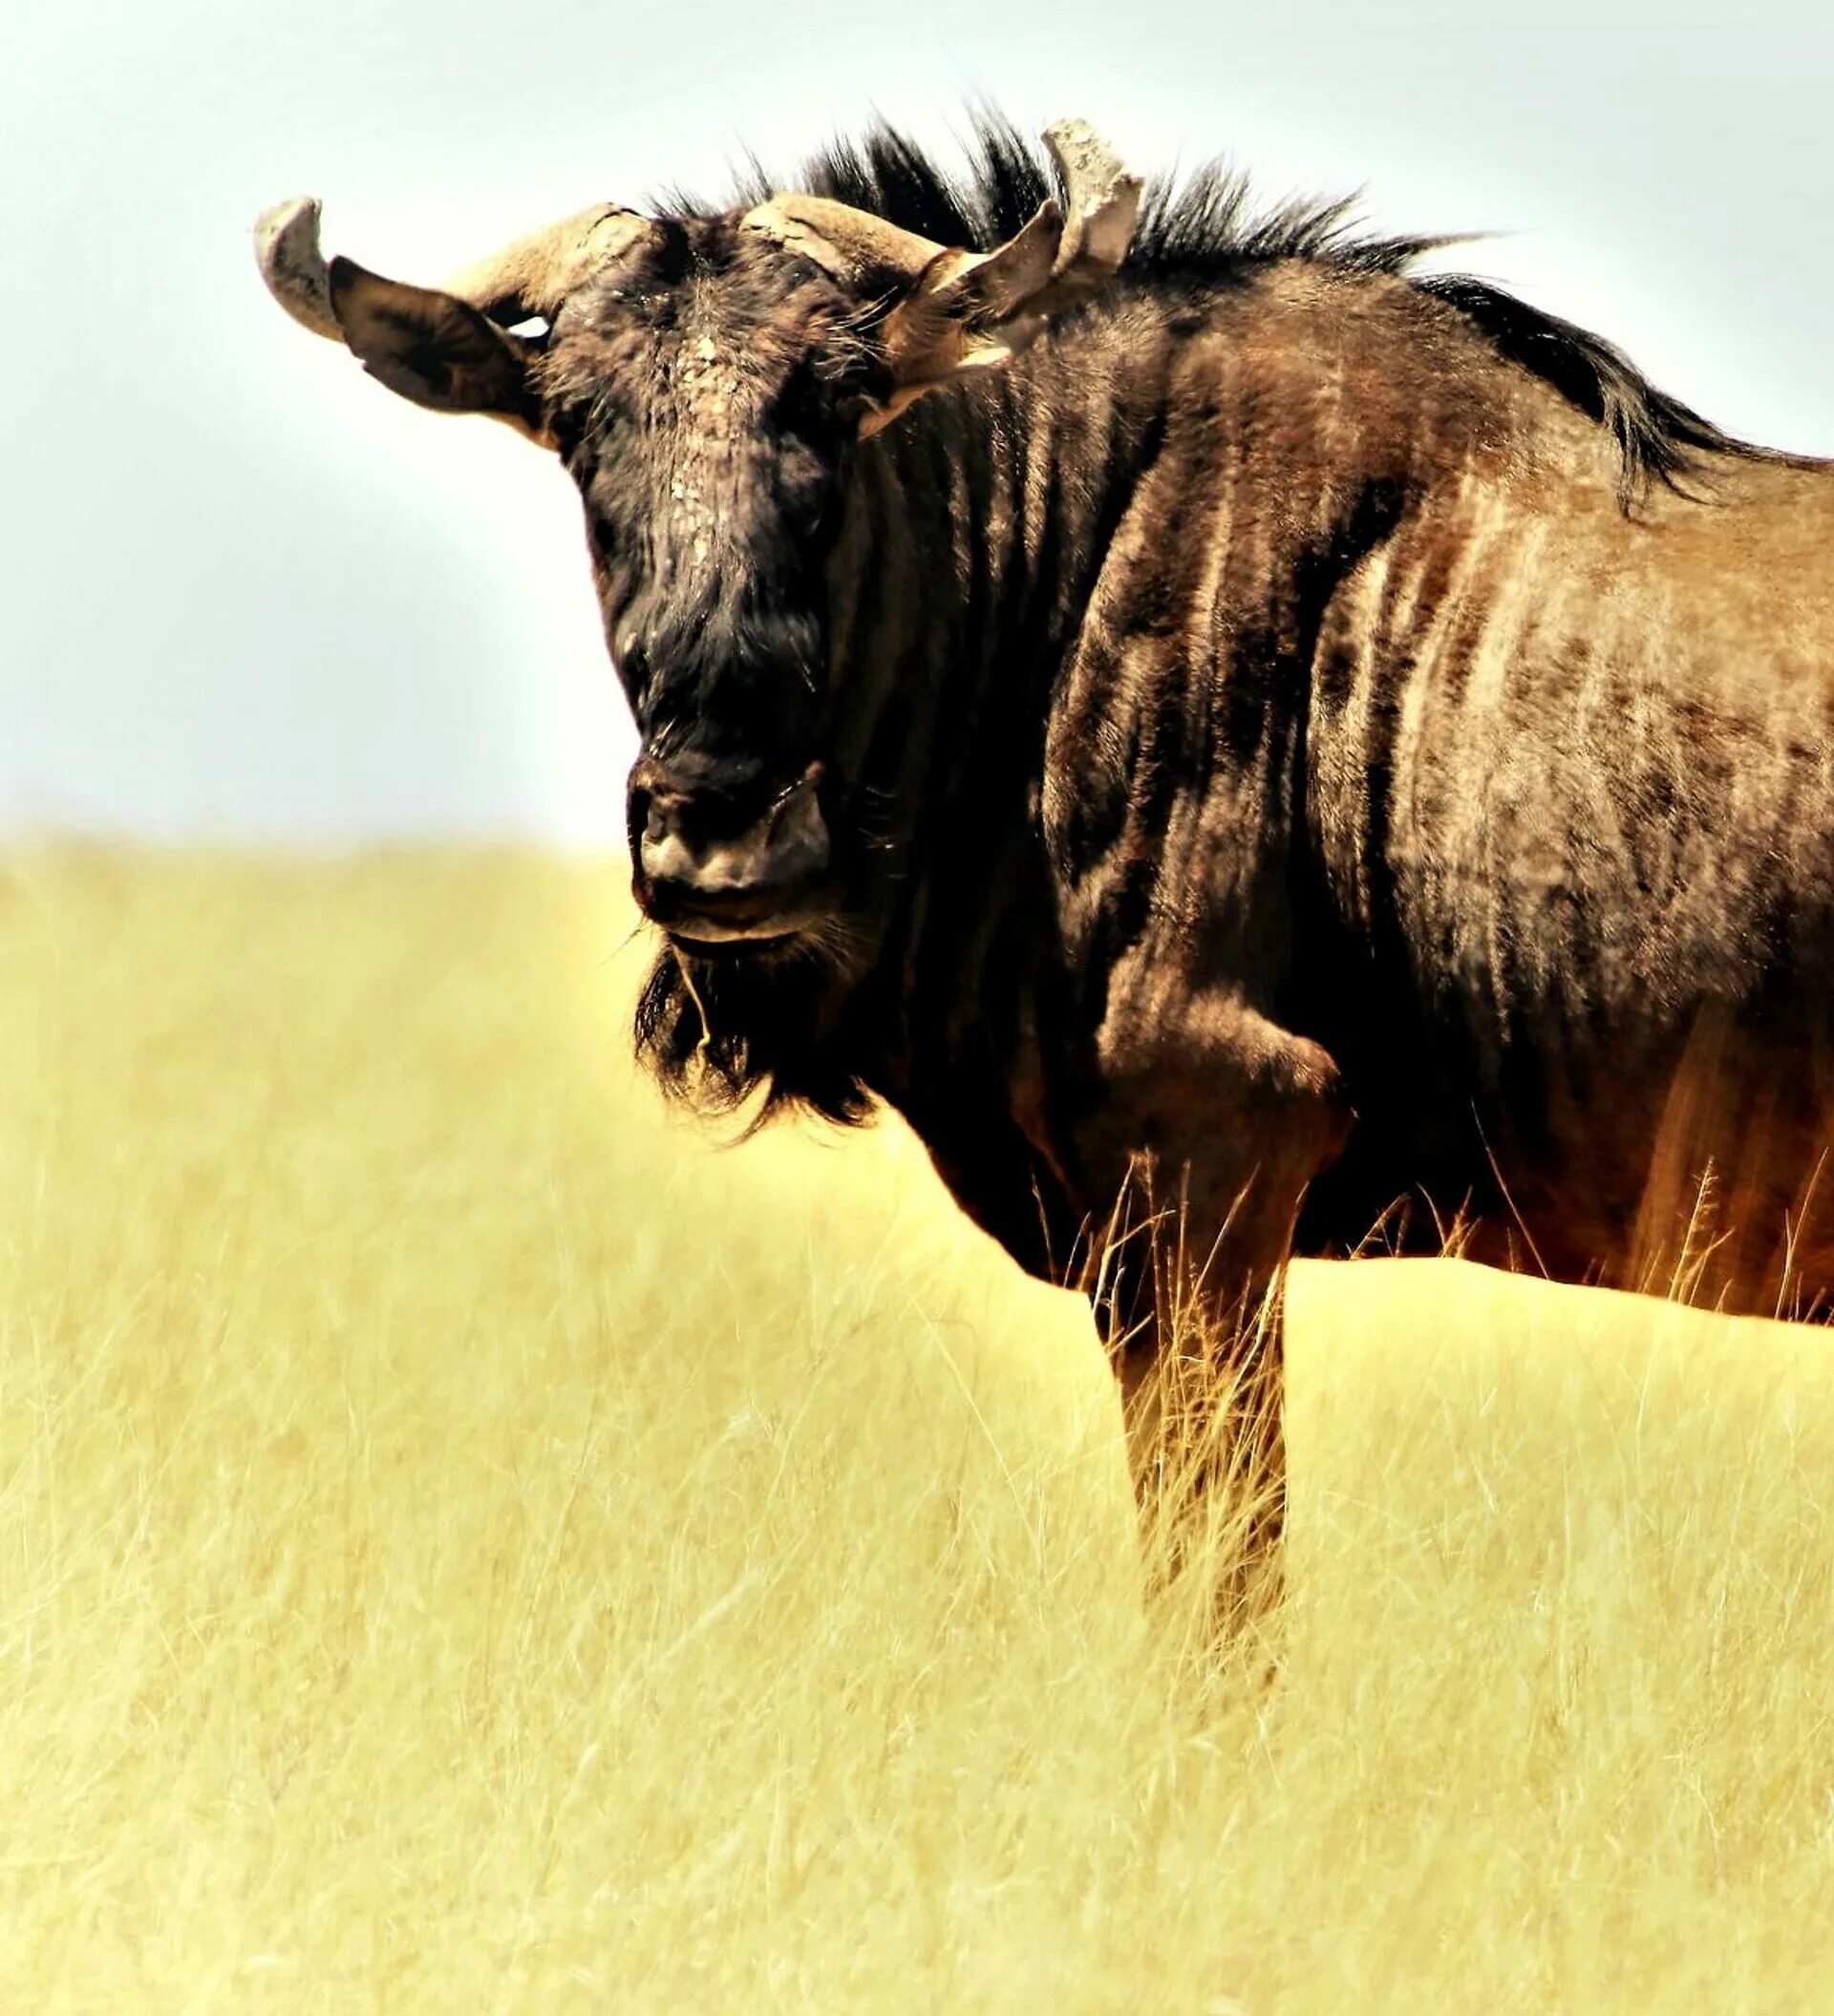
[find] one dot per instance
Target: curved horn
(851, 244)
(532, 276)
(287, 251)
(1101, 200)
(1064, 253)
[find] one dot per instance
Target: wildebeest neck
(1074, 614)
(1033, 585)
(1022, 608)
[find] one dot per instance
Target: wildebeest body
(1318, 744)
(1260, 749)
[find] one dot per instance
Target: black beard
(720, 1030)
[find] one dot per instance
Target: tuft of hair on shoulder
(1659, 440)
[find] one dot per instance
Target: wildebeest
(1236, 740)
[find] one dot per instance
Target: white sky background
(247, 594)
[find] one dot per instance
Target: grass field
(470, 1544)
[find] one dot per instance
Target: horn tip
(287, 251)
(284, 219)
(1077, 147)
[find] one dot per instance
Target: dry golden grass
(470, 1545)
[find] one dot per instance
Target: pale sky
(249, 596)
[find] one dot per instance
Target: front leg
(1194, 1146)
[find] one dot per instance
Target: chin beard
(721, 1029)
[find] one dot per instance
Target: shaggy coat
(1333, 735)
(1303, 753)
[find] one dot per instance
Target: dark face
(705, 394)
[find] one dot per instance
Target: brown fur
(1306, 748)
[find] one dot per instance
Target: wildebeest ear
(434, 349)
(449, 347)
(953, 311)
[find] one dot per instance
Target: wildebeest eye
(633, 662)
(571, 422)
(805, 405)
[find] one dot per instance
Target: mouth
(707, 938)
(706, 934)
(722, 926)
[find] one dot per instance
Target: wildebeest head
(704, 379)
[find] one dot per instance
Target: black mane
(1207, 228)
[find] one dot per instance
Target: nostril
(796, 837)
(663, 856)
